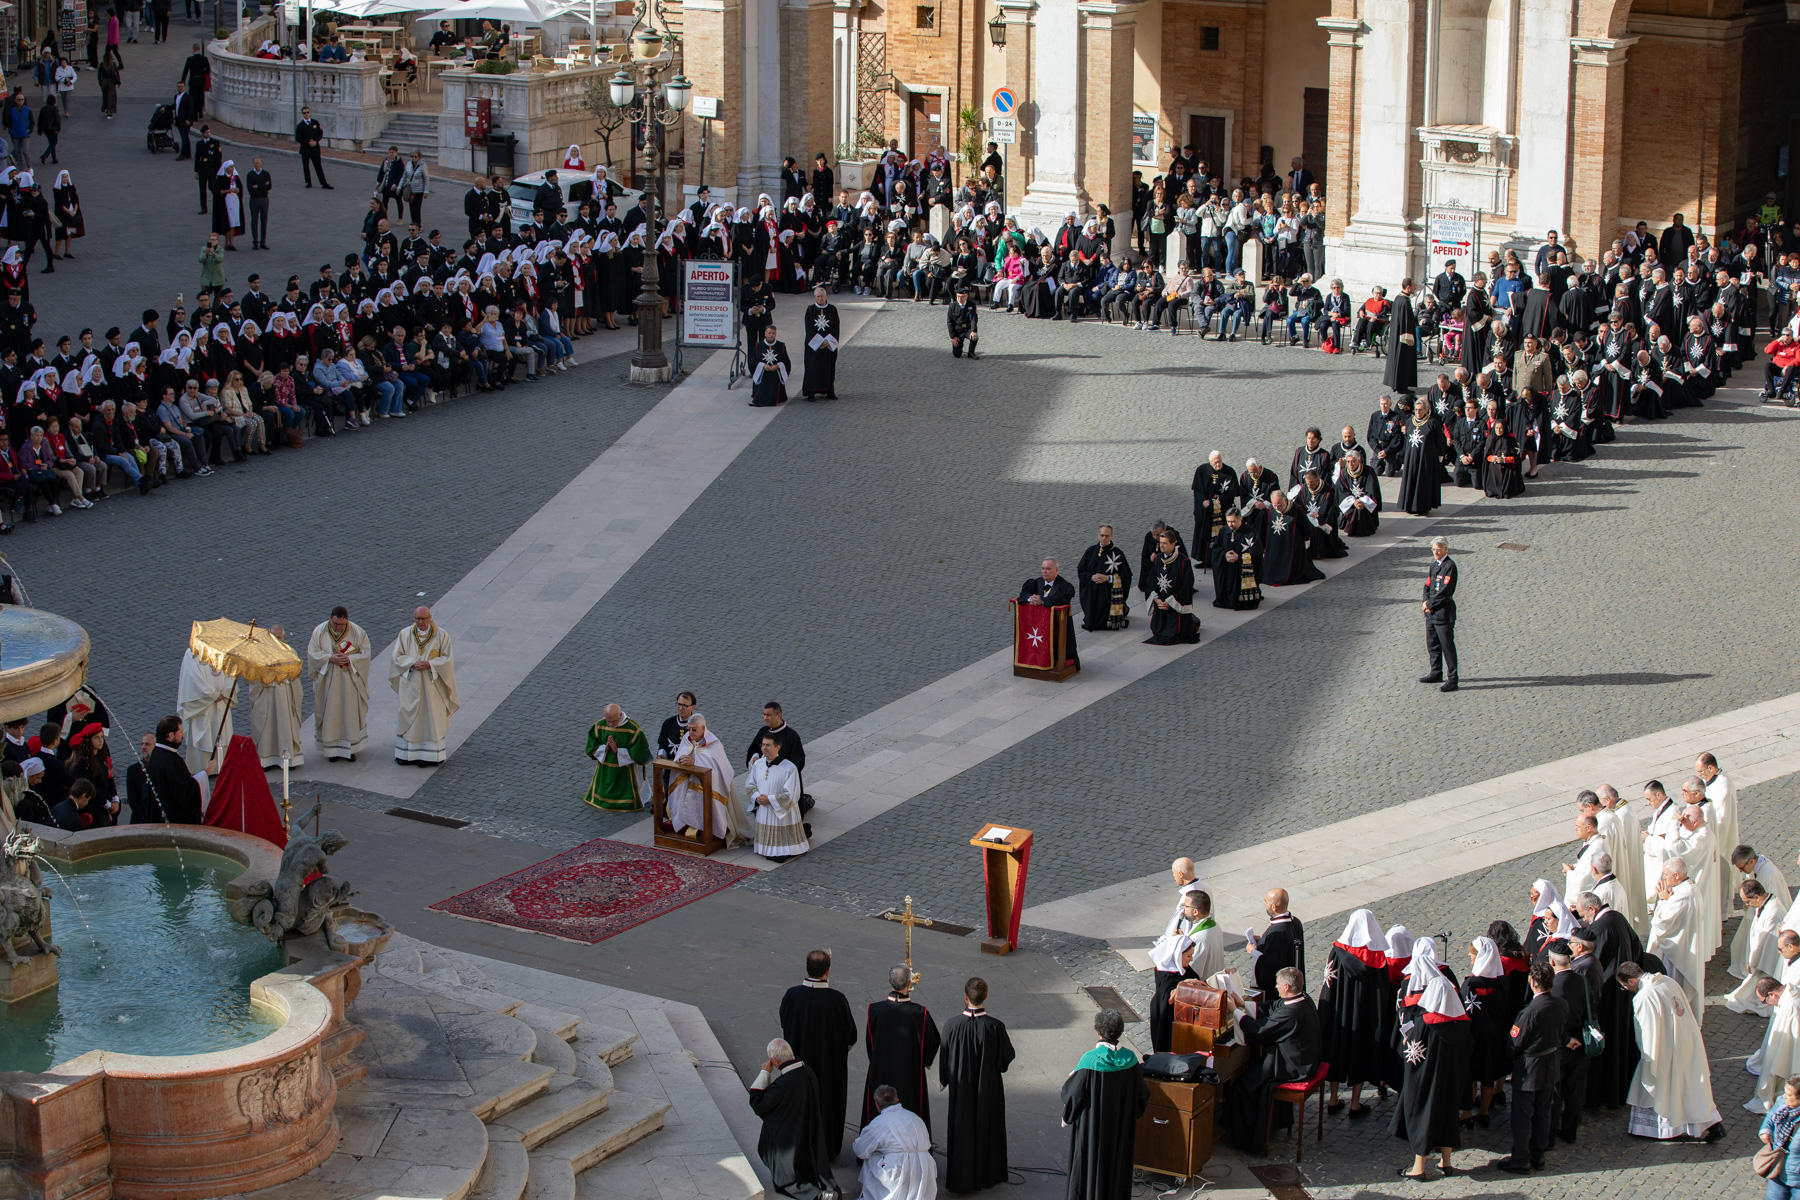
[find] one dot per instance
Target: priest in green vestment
(620, 750)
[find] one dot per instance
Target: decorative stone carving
(288, 905)
(280, 1095)
(24, 900)
(1468, 165)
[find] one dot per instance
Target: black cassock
(1402, 357)
(1287, 555)
(1421, 472)
(1053, 595)
(1436, 1056)
(1102, 1101)
(817, 1023)
(1357, 520)
(792, 1144)
(1288, 1035)
(1502, 476)
(1353, 1004)
(1321, 510)
(1237, 584)
(975, 1055)
(769, 368)
(1103, 604)
(1490, 1047)
(821, 330)
(1214, 492)
(1282, 944)
(1609, 1075)
(1146, 576)
(901, 1040)
(173, 787)
(1173, 582)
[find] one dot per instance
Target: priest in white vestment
(1722, 811)
(1676, 934)
(1625, 842)
(1779, 1055)
(896, 1151)
(1671, 1091)
(422, 672)
(772, 793)
(1659, 835)
(1580, 875)
(1747, 864)
(337, 657)
(1607, 887)
(1761, 957)
(275, 719)
(204, 697)
(700, 747)
(1698, 846)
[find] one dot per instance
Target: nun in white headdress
(1487, 997)
(228, 202)
(1355, 999)
(1434, 1051)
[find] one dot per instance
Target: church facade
(1584, 116)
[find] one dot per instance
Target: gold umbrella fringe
(244, 651)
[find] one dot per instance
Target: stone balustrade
(546, 110)
(266, 95)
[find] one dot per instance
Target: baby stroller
(158, 137)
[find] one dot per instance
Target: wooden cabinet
(1175, 1134)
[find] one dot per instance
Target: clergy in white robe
(1665, 824)
(700, 747)
(772, 794)
(1671, 1091)
(1762, 959)
(1676, 934)
(1747, 864)
(422, 672)
(1580, 876)
(1607, 886)
(1779, 1055)
(1625, 842)
(1722, 810)
(896, 1151)
(1697, 846)
(275, 722)
(337, 657)
(203, 699)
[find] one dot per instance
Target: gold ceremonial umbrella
(244, 651)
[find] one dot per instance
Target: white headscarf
(63, 180)
(1423, 967)
(1440, 998)
(1549, 902)
(1362, 933)
(1400, 941)
(1487, 960)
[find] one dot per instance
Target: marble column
(1543, 146)
(759, 157)
(845, 24)
(1379, 244)
(1599, 124)
(1021, 68)
(1057, 99)
(712, 32)
(1110, 33)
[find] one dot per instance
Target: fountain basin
(43, 660)
(178, 1126)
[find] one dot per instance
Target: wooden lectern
(1030, 659)
(1004, 860)
(711, 841)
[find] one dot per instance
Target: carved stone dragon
(289, 906)
(24, 900)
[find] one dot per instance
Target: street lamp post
(657, 108)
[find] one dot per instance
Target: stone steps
(410, 131)
(507, 1172)
(568, 1103)
(626, 1120)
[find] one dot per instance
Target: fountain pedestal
(36, 973)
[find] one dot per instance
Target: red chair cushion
(1304, 1087)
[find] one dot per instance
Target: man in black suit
(1571, 987)
(194, 73)
(309, 135)
(1052, 591)
(387, 180)
(187, 111)
(171, 794)
(1537, 1037)
(1299, 178)
(1439, 607)
(208, 155)
(1282, 944)
(1288, 1034)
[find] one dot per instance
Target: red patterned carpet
(594, 891)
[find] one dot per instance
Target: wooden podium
(711, 840)
(1003, 865)
(1062, 635)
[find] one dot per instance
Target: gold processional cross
(907, 919)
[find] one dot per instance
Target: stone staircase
(530, 1086)
(410, 131)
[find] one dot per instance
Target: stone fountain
(134, 1111)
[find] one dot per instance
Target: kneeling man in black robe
(1051, 590)
(786, 1097)
(1102, 1100)
(769, 367)
(1288, 1035)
